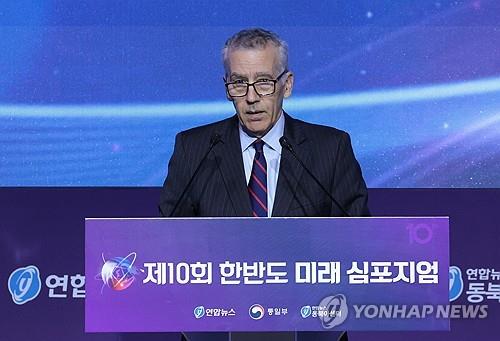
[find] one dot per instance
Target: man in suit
(242, 166)
(257, 80)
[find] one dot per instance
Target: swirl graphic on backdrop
(118, 273)
(24, 284)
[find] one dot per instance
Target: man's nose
(252, 95)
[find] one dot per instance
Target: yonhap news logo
(335, 311)
(24, 284)
(305, 311)
(456, 283)
(331, 311)
(199, 312)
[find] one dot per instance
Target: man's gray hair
(256, 38)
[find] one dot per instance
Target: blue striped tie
(257, 186)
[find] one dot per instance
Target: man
(262, 162)
(257, 80)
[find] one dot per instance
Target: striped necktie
(257, 186)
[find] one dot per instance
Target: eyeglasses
(263, 87)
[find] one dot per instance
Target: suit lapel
(231, 167)
(290, 171)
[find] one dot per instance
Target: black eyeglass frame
(274, 81)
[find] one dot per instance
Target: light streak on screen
(94, 96)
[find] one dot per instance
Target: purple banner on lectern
(279, 274)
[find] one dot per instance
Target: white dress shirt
(272, 153)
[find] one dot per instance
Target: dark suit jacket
(220, 189)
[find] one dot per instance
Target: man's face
(258, 113)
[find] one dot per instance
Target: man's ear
(289, 85)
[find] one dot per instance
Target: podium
(285, 276)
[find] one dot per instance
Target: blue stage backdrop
(93, 94)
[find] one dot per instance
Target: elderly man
(262, 162)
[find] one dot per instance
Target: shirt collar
(271, 139)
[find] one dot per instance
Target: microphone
(214, 140)
(286, 144)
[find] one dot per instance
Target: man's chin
(256, 130)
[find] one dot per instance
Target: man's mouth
(255, 116)
(255, 112)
